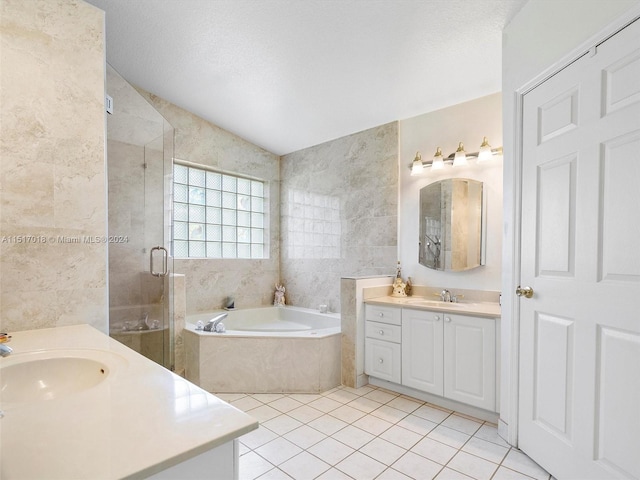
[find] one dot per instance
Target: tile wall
(209, 282)
(339, 214)
(53, 202)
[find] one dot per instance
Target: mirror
(451, 225)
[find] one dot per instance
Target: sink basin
(48, 375)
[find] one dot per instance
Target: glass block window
(217, 215)
(313, 225)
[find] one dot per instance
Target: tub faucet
(212, 325)
(5, 350)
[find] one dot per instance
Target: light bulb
(460, 158)
(438, 160)
(485, 151)
(416, 167)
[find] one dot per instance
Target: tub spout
(212, 324)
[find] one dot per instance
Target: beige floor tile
(434, 450)
(278, 450)
(473, 466)
(361, 466)
(347, 414)
(447, 435)
(417, 467)
(325, 404)
(331, 451)
(304, 466)
(285, 404)
(383, 451)
(252, 466)
(304, 436)
(282, 424)
(305, 413)
(401, 436)
(487, 450)
(327, 424)
(462, 424)
(353, 437)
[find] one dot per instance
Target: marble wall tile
(359, 175)
(209, 281)
(262, 364)
(52, 176)
(179, 319)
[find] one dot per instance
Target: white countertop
(140, 420)
(480, 309)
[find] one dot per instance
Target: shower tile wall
(52, 173)
(209, 281)
(339, 214)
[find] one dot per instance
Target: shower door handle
(165, 263)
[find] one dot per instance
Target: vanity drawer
(383, 331)
(383, 360)
(378, 313)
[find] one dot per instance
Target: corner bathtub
(265, 350)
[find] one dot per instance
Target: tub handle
(165, 263)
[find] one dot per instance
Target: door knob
(526, 292)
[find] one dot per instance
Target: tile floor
(371, 433)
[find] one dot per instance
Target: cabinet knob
(437, 318)
(447, 319)
(381, 314)
(380, 360)
(381, 332)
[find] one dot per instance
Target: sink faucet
(5, 350)
(212, 325)
(445, 295)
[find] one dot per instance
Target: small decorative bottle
(408, 287)
(398, 285)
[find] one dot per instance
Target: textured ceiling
(289, 74)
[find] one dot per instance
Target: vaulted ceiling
(289, 74)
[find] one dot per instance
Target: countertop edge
(491, 310)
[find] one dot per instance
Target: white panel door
(422, 350)
(470, 360)
(579, 398)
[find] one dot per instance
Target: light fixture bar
(438, 161)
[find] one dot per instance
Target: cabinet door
(422, 350)
(382, 360)
(470, 360)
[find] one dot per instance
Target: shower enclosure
(139, 164)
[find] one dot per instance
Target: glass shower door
(139, 163)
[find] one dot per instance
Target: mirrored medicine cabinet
(452, 226)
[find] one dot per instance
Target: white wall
(539, 36)
(466, 122)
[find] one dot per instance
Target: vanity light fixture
(438, 160)
(458, 158)
(485, 151)
(417, 167)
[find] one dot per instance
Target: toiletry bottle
(408, 287)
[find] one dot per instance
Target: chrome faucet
(212, 325)
(445, 295)
(5, 350)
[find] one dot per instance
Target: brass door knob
(526, 292)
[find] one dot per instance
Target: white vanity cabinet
(422, 350)
(382, 343)
(441, 353)
(470, 360)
